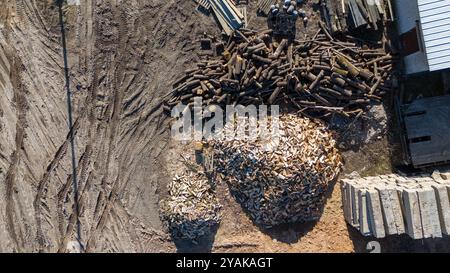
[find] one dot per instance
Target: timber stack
(320, 75)
(229, 16)
(282, 179)
(343, 15)
(264, 6)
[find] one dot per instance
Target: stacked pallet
(393, 204)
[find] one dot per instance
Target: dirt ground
(123, 57)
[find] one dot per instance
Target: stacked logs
(321, 75)
(191, 209)
(281, 180)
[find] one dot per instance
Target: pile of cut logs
(320, 74)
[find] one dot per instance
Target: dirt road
(122, 58)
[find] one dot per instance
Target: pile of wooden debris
(192, 208)
(281, 180)
(321, 74)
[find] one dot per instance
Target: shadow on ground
(201, 245)
(399, 244)
(291, 233)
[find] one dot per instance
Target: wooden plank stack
(226, 12)
(204, 4)
(320, 75)
(342, 15)
(263, 6)
(241, 2)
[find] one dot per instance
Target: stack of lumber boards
(343, 15)
(226, 12)
(241, 2)
(393, 204)
(264, 6)
(204, 4)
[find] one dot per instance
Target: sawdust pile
(281, 181)
(192, 208)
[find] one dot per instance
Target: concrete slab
(397, 210)
(429, 213)
(445, 175)
(443, 204)
(412, 214)
(392, 211)
(388, 215)
(364, 225)
(436, 175)
(375, 214)
(397, 204)
(346, 201)
(355, 205)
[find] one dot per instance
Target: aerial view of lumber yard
(225, 126)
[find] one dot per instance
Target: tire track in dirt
(21, 106)
(83, 166)
(102, 209)
(85, 181)
(119, 184)
(63, 194)
(124, 56)
(42, 185)
(147, 134)
(20, 10)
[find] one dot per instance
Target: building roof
(435, 26)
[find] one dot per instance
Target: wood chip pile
(192, 208)
(321, 75)
(281, 183)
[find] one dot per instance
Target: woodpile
(281, 180)
(342, 15)
(321, 75)
(191, 208)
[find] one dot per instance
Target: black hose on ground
(59, 3)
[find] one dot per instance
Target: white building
(424, 27)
